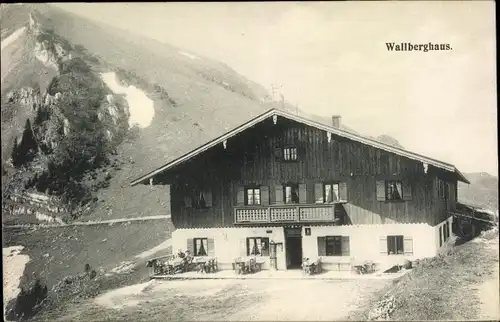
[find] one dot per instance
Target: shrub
(28, 302)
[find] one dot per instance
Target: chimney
(336, 121)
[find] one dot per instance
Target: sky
(331, 58)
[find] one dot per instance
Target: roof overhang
(330, 129)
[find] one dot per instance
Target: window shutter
(310, 191)
(406, 190)
(343, 191)
(264, 195)
(277, 154)
(278, 194)
(211, 247)
(321, 246)
(190, 246)
(240, 196)
(318, 193)
(243, 247)
(408, 246)
(380, 190)
(208, 197)
(302, 193)
(345, 246)
(383, 245)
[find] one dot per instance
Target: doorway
(293, 240)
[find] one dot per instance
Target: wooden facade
(254, 158)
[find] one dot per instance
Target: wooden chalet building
(284, 187)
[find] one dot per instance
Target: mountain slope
(482, 192)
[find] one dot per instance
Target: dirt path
(308, 300)
(489, 291)
(225, 300)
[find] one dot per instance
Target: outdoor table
(205, 264)
(247, 265)
(174, 265)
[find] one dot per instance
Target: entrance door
(293, 240)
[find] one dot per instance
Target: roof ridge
(279, 112)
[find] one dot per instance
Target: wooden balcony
(286, 214)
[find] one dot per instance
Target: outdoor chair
(239, 266)
(254, 266)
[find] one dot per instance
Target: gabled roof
(333, 130)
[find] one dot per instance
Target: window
(290, 154)
(258, 246)
(200, 246)
(395, 245)
(440, 236)
(331, 192)
(333, 246)
(198, 199)
(446, 231)
(394, 190)
(291, 193)
(252, 196)
(442, 189)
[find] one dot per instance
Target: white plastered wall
(445, 244)
(364, 242)
(228, 242)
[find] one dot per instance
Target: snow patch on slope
(141, 107)
(194, 57)
(155, 249)
(13, 37)
(13, 270)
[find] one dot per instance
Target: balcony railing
(285, 213)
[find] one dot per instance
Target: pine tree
(15, 152)
(27, 148)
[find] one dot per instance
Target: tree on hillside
(27, 148)
(15, 151)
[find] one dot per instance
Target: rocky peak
(33, 26)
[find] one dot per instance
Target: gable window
(200, 246)
(333, 246)
(395, 245)
(252, 196)
(290, 154)
(394, 190)
(291, 193)
(331, 192)
(258, 246)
